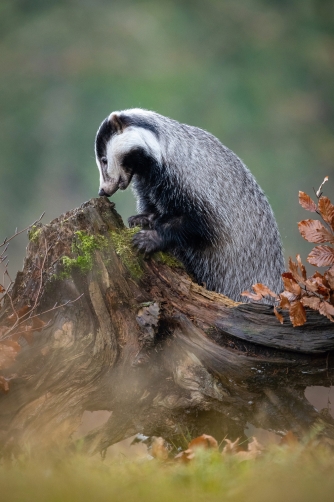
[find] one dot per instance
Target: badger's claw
(147, 241)
(144, 220)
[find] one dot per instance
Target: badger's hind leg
(148, 241)
(144, 220)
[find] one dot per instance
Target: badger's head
(123, 142)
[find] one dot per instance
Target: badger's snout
(102, 192)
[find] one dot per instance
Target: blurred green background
(256, 73)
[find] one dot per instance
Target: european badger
(195, 198)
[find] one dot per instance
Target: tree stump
(137, 337)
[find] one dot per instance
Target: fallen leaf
(8, 352)
(185, 456)
(4, 385)
(289, 439)
(159, 449)
(255, 449)
(203, 441)
(306, 202)
(231, 447)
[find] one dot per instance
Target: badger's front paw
(144, 220)
(147, 241)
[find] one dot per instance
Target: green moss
(34, 233)
(168, 259)
(122, 242)
(83, 248)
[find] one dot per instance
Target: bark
(164, 355)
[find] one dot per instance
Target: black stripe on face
(102, 137)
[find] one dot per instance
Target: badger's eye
(104, 161)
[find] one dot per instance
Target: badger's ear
(116, 122)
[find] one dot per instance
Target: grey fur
(197, 199)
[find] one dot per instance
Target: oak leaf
(306, 202)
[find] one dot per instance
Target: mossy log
(163, 354)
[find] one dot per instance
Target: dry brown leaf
(255, 449)
(159, 449)
(19, 313)
(314, 231)
(329, 275)
(327, 310)
(263, 290)
(37, 324)
(306, 202)
(326, 209)
(311, 301)
(297, 314)
(290, 284)
(321, 256)
(8, 352)
(301, 267)
(279, 315)
(286, 298)
(2, 289)
(231, 448)
(290, 439)
(294, 269)
(203, 441)
(4, 385)
(185, 456)
(252, 296)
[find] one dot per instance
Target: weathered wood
(166, 356)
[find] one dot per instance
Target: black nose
(102, 192)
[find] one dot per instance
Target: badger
(195, 199)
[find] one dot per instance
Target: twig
(69, 302)
(6, 241)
